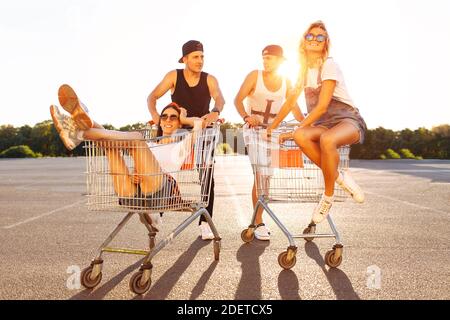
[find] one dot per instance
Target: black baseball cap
(274, 50)
(191, 46)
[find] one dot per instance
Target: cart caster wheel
(284, 262)
(86, 280)
(307, 231)
(135, 283)
(216, 250)
(331, 260)
(247, 235)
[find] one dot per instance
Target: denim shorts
(339, 112)
(168, 194)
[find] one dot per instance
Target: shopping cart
(284, 175)
(106, 190)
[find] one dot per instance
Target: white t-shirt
(171, 156)
(331, 71)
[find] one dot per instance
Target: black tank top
(194, 99)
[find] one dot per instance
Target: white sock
(328, 198)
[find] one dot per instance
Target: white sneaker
(349, 185)
(262, 232)
(66, 127)
(205, 231)
(156, 221)
(321, 210)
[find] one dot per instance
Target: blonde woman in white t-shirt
(332, 121)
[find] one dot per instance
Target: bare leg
(258, 218)
(308, 139)
(341, 134)
(122, 181)
(145, 163)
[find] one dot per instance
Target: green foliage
(406, 154)
(382, 157)
(391, 154)
(133, 127)
(429, 144)
(21, 151)
(442, 130)
(224, 148)
(109, 126)
(8, 136)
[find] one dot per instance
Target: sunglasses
(318, 38)
(172, 117)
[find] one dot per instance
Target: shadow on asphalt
(288, 285)
(101, 292)
(200, 286)
(161, 288)
(428, 169)
(340, 283)
(249, 287)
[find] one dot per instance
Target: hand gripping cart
(190, 193)
(284, 175)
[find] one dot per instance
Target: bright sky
(395, 55)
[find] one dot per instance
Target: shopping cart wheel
(308, 231)
(330, 259)
(86, 280)
(216, 250)
(135, 283)
(247, 235)
(284, 262)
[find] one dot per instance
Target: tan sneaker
(66, 127)
(70, 102)
(321, 210)
(350, 186)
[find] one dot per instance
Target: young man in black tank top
(192, 89)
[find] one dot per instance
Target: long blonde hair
(303, 57)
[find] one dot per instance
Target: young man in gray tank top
(265, 92)
(192, 89)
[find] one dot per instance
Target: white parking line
(242, 217)
(408, 203)
(43, 215)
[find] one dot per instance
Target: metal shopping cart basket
(183, 188)
(284, 175)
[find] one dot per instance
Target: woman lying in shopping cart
(333, 120)
(148, 178)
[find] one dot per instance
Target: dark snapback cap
(274, 50)
(191, 46)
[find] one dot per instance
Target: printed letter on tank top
(263, 103)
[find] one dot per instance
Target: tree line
(43, 140)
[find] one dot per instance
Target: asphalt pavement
(396, 244)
